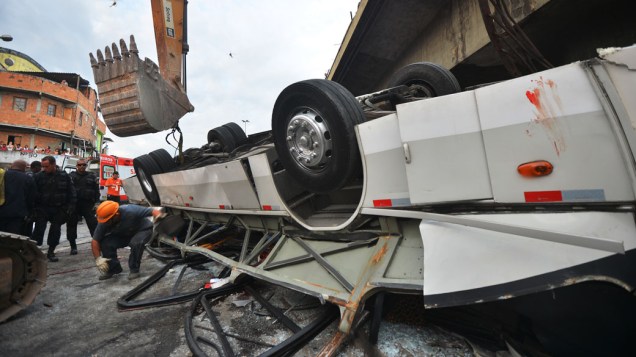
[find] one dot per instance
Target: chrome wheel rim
(144, 180)
(309, 140)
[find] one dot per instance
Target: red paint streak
(222, 206)
(191, 198)
(382, 203)
(533, 97)
(267, 208)
(543, 196)
(187, 205)
(548, 108)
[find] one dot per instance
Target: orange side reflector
(535, 168)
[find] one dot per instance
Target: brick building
(45, 109)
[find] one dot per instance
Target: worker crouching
(119, 227)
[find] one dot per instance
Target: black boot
(73, 247)
(51, 256)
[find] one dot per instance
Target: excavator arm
(170, 36)
(137, 96)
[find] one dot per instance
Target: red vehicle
(105, 167)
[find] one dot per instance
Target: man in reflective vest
(114, 186)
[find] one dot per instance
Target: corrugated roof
(70, 78)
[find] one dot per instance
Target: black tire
(145, 167)
(428, 79)
(237, 132)
(224, 137)
(325, 114)
(163, 159)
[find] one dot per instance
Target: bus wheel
(145, 167)
(163, 159)
(426, 80)
(313, 127)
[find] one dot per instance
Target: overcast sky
(274, 43)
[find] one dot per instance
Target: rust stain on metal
(351, 305)
(337, 301)
(333, 345)
(378, 256)
(317, 285)
(349, 315)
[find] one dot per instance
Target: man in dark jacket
(36, 167)
(19, 198)
(27, 227)
(121, 226)
(55, 203)
(87, 190)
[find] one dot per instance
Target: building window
(50, 110)
(81, 118)
(15, 139)
(19, 104)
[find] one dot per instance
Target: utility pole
(245, 125)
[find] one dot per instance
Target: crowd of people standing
(36, 150)
(48, 195)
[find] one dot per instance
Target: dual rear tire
(229, 136)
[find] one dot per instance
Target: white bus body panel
(448, 161)
(458, 258)
(265, 187)
(219, 186)
(555, 116)
(133, 190)
(384, 166)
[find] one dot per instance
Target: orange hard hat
(106, 211)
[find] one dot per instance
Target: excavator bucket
(135, 99)
(22, 273)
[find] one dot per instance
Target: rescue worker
(55, 203)
(19, 199)
(87, 188)
(118, 227)
(114, 185)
